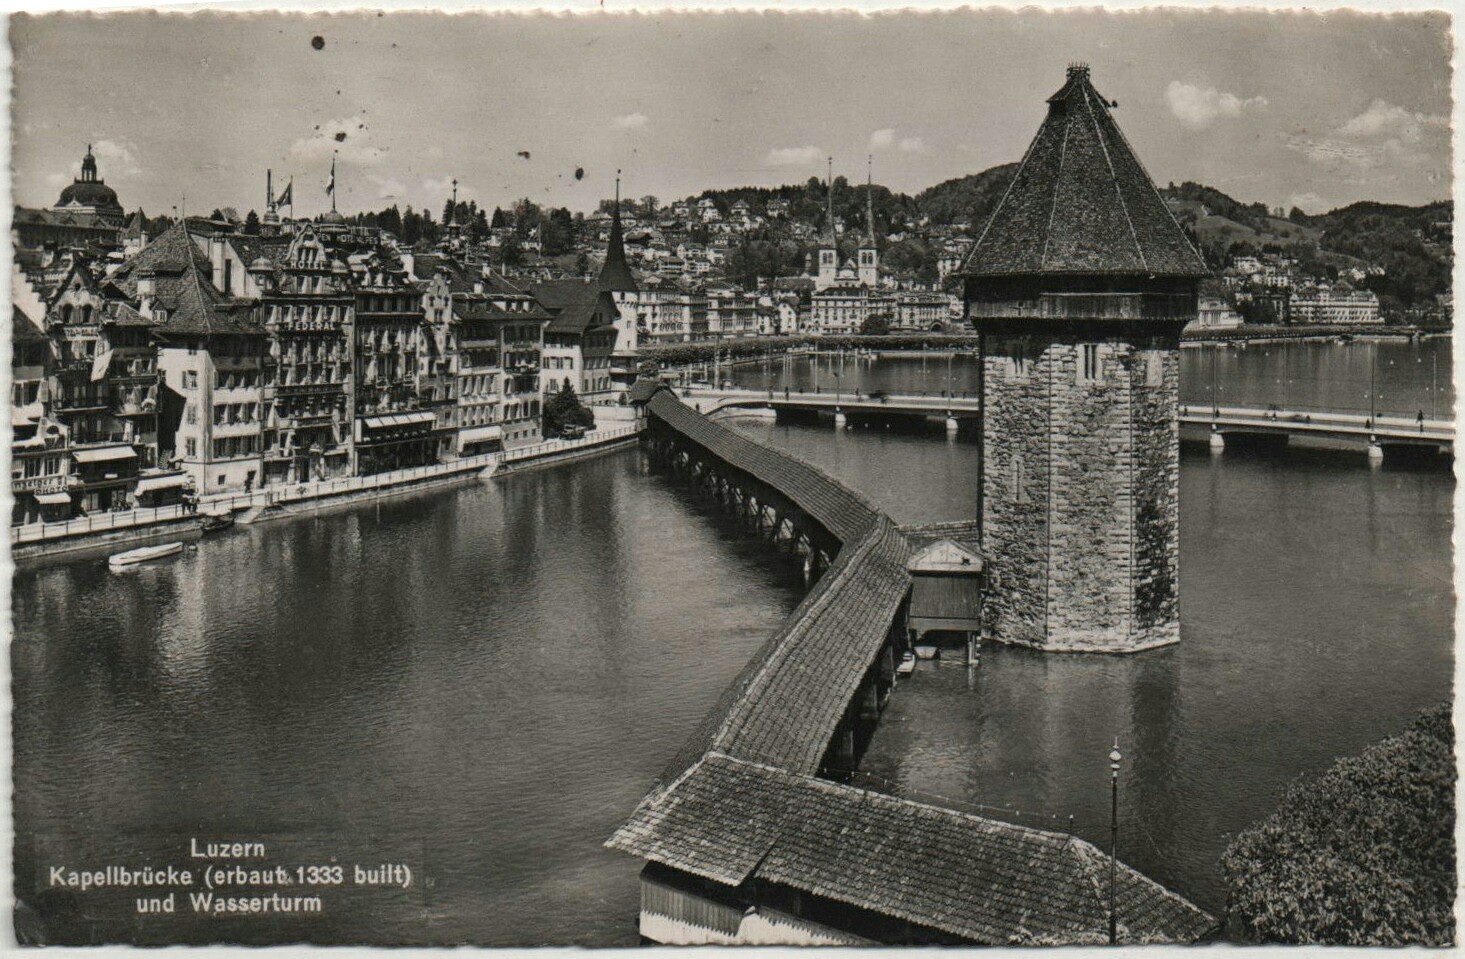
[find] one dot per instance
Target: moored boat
(143, 554)
(215, 522)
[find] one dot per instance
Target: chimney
(219, 265)
(147, 292)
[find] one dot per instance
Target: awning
(151, 484)
(480, 434)
(103, 454)
(33, 443)
(399, 419)
(53, 499)
(101, 365)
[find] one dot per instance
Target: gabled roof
(180, 273)
(984, 880)
(24, 330)
(577, 307)
(945, 556)
(1081, 202)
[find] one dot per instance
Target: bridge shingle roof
(975, 878)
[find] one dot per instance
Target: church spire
(829, 200)
(870, 199)
(615, 274)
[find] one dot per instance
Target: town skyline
(1325, 125)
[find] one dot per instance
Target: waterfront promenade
(87, 528)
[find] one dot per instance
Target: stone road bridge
(1381, 434)
(750, 836)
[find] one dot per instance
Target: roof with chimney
(190, 304)
(1082, 203)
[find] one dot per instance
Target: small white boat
(927, 652)
(143, 554)
(907, 665)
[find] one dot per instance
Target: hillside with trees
(968, 199)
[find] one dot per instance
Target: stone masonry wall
(1015, 521)
(1092, 503)
(1085, 555)
(1156, 489)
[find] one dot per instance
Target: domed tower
(1079, 287)
(88, 193)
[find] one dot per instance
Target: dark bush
(1362, 855)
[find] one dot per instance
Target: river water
(480, 682)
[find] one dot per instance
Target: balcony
(308, 389)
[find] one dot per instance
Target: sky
(1316, 111)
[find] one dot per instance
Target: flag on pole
(331, 186)
(285, 198)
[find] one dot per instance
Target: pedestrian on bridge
(1420, 420)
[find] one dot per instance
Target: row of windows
(235, 446)
(37, 466)
(228, 414)
(1090, 366)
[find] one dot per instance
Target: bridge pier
(951, 424)
(840, 420)
(1375, 451)
(1218, 440)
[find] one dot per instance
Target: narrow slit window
(1088, 370)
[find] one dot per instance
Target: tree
(876, 324)
(564, 409)
(251, 224)
(582, 264)
(1362, 855)
(511, 253)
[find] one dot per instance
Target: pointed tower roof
(615, 274)
(1081, 202)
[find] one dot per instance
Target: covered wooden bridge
(750, 837)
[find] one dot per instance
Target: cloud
(1198, 108)
(882, 139)
(117, 156)
(631, 121)
(350, 138)
(794, 156)
(1307, 203)
(388, 188)
(1385, 121)
(914, 145)
(1383, 135)
(442, 188)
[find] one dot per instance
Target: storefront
(396, 441)
(481, 439)
(160, 489)
(107, 474)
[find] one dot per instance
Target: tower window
(1154, 369)
(1019, 481)
(1089, 370)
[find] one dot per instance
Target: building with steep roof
(580, 338)
(1078, 287)
(212, 351)
(617, 279)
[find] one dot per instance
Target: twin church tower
(1078, 288)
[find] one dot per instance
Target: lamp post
(1114, 759)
